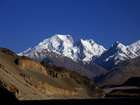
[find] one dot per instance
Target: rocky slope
(121, 73)
(114, 55)
(89, 70)
(30, 80)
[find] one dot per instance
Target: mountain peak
(91, 49)
(118, 44)
(64, 45)
(63, 37)
(86, 50)
(135, 47)
(136, 44)
(115, 54)
(58, 39)
(87, 40)
(60, 44)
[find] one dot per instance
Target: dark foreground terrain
(8, 98)
(104, 101)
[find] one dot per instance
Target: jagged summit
(118, 44)
(85, 50)
(91, 49)
(118, 47)
(56, 43)
(116, 53)
(59, 44)
(135, 47)
(64, 45)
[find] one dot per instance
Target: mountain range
(112, 69)
(84, 51)
(61, 68)
(64, 45)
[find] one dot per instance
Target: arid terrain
(22, 78)
(28, 79)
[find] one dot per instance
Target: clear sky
(24, 23)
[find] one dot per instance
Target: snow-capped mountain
(64, 45)
(117, 53)
(86, 51)
(59, 44)
(61, 50)
(90, 50)
(135, 47)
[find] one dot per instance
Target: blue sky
(24, 23)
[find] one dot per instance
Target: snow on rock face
(118, 52)
(64, 45)
(59, 44)
(121, 52)
(85, 51)
(135, 47)
(91, 49)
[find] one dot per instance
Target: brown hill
(30, 80)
